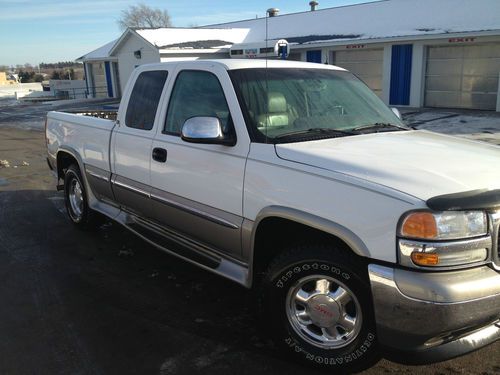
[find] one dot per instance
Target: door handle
(160, 154)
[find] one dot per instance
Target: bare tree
(142, 16)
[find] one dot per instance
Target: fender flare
(313, 221)
(92, 200)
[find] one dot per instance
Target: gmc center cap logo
(324, 311)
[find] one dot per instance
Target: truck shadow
(108, 301)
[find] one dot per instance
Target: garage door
(366, 64)
(462, 76)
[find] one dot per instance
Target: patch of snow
(169, 366)
(482, 127)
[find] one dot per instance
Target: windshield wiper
(379, 125)
(315, 131)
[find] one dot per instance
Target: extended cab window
(196, 93)
(141, 110)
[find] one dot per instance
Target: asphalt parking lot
(106, 302)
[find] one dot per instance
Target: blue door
(314, 56)
(108, 79)
(401, 74)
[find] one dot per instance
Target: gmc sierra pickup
(360, 235)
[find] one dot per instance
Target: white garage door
(365, 63)
(462, 76)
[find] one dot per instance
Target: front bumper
(430, 317)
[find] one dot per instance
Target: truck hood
(419, 163)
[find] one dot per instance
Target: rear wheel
(318, 305)
(76, 200)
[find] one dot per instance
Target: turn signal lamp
(420, 225)
(425, 259)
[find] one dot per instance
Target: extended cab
(361, 235)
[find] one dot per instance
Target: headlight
(443, 239)
(447, 225)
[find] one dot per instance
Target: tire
(76, 200)
(318, 305)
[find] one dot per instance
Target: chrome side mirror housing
(397, 113)
(206, 130)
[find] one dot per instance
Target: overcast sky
(34, 31)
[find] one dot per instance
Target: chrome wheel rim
(324, 312)
(75, 196)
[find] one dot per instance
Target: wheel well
(64, 160)
(274, 235)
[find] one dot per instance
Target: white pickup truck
(362, 236)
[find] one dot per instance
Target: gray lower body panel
(449, 324)
(100, 182)
(209, 225)
(186, 248)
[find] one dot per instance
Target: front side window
(143, 103)
(291, 104)
(196, 93)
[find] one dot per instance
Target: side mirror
(206, 130)
(396, 112)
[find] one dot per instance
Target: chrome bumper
(430, 317)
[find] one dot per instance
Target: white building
(108, 68)
(433, 53)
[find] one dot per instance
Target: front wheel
(319, 309)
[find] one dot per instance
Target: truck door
(131, 143)
(197, 191)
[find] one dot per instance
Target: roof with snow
(376, 20)
(101, 53)
(186, 37)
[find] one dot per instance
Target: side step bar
(173, 247)
(187, 249)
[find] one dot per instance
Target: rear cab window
(144, 99)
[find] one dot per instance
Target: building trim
(409, 38)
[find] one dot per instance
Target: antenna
(268, 13)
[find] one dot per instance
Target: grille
(497, 261)
(496, 237)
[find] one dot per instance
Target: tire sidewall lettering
(296, 270)
(354, 355)
(359, 351)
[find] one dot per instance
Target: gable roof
(101, 53)
(168, 37)
(376, 20)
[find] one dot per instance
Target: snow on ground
(9, 91)
(478, 125)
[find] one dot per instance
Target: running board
(186, 249)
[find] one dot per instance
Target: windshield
(290, 104)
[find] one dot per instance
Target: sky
(35, 31)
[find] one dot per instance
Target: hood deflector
(467, 200)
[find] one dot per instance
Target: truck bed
(86, 133)
(104, 114)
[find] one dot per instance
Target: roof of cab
(233, 64)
